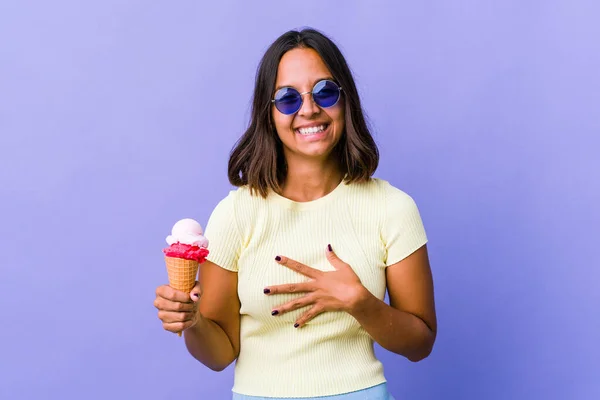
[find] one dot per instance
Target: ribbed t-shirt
(369, 225)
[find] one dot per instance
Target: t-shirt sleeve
(224, 240)
(403, 231)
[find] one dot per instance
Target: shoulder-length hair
(257, 159)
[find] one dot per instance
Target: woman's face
(301, 69)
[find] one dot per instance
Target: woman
(301, 254)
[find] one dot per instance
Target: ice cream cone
(182, 274)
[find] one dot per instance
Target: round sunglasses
(325, 93)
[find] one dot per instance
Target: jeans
(379, 392)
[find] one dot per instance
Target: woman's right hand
(177, 310)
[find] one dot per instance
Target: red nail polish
(296, 325)
(267, 291)
(277, 258)
(274, 312)
(329, 247)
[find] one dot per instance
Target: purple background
(116, 119)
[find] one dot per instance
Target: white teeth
(312, 130)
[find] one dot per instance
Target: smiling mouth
(313, 130)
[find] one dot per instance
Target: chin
(316, 153)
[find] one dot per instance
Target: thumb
(196, 292)
(334, 259)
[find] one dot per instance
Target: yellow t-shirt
(369, 225)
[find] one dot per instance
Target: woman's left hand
(339, 290)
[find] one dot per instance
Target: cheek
(282, 122)
(338, 116)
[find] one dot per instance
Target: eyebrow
(313, 84)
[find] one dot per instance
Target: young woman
(302, 252)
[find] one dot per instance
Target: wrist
(362, 301)
(198, 321)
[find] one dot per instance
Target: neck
(308, 181)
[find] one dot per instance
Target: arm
(408, 325)
(209, 316)
(214, 339)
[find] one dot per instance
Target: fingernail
(296, 325)
(329, 247)
(267, 291)
(195, 294)
(274, 312)
(277, 258)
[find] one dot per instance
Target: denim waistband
(379, 392)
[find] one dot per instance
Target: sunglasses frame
(312, 92)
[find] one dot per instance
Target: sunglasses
(325, 94)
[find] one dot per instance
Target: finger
(173, 316)
(299, 267)
(176, 327)
(196, 292)
(334, 259)
(294, 305)
(167, 305)
(290, 288)
(167, 292)
(308, 315)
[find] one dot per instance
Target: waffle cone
(182, 274)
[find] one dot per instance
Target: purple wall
(116, 119)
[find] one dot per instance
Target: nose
(309, 107)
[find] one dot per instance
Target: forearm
(395, 330)
(208, 343)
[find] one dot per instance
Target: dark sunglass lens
(326, 93)
(287, 100)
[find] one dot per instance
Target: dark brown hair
(257, 160)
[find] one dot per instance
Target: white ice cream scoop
(187, 231)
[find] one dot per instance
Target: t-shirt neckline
(312, 204)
